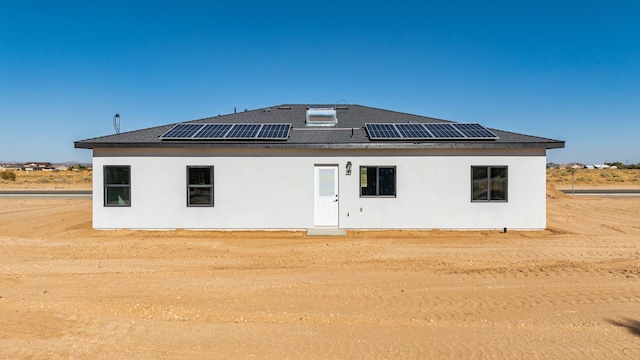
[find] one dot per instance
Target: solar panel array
(413, 131)
(382, 131)
(475, 130)
(212, 131)
(243, 131)
(436, 131)
(443, 131)
(182, 131)
(227, 132)
(274, 131)
(378, 131)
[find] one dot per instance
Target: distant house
(38, 165)
(316, 166)
(12, 167)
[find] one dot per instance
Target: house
(12, 167)
(38, 165)
(300, 167)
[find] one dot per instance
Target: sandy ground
(48, 180)
(571, 292)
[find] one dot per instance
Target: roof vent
(321, 117)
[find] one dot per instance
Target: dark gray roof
(348, 134)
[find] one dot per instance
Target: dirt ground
(67, 291)
(48, 180)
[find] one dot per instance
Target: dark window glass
(489, 183)
(117, 196)
(368, 181)
(386, 181)
(498, 184)
(115, 175)
(480, 183)
(200, 186)
(377, 181)
(200, 176)
(117, 186)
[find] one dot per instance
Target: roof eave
(372, 145)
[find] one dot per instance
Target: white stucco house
(299, 167)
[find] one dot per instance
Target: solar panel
(382, 131)
(428, 131)
(182, 131)
(202, 131)
(443, 131)
(476, 131)
(243, 131)
(274, 131)
(213, 131)
(413, 131)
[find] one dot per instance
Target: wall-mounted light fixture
(348, 167)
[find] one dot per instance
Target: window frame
(197, 186)
(107, 186)
(488, 184)
(378, 167)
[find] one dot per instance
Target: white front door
(326, 196)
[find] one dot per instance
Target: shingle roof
(349, 132)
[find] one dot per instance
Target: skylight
(321, 117)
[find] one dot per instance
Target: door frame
(336, 214)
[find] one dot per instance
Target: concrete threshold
(326, 232)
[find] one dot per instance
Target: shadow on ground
(632, 326)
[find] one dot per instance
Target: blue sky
(567, 70)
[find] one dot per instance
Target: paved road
(625, 193)
(44, 194)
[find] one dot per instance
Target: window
(378, 181)
(117, 186)
(489, 183)
(199, 186)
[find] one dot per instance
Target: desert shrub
(617, 164)
(8, 175)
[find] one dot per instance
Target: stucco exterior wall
(273, 189)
